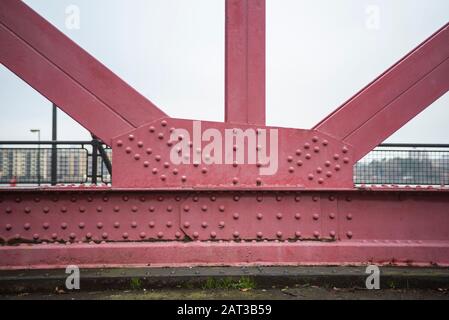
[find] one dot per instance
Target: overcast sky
(319, 53)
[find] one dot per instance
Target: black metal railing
(51, 163)
(77, 162)
(405, 164)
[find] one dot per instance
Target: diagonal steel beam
(68, 76)
(394, 98)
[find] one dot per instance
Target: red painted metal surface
(234, 212)
(245, 62)
(394, 98)
(303, 158)
(68, 76)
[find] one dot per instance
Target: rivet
(299, 163)
(221, 224)
(27, 210)
(320, 180)
(310, 176)
(63, 209)
(290, 159)
(349, 216)
(315, 139)
(259, 198)
(81, 225)
(345, 149)
(125, 198)
(119, 143)
(213, 234)
(104, 235)
(186, 225)
(140, 144)
(279, 234)
(155, 170)
(204, 208)
(134, 209)
(349, 234)
(46, 210)
(183, 178)
(204, 170)
(278, 198)
(308, 156)
(298, 234)
(291, 170)
(35, 236)
(99, 225)
(221, 208)
(316, 149)
(235, 180)
(146, 164)
(142, 235)
(331, 198)
(152, 129)
(8, 227)
(128, 150)
(279, 216)
(163, 177)
(131, 137)
(332, 234)
(72, 236)
(8, 210)
(325, 143)
(134, 225)
(164, 123)
(169, 143)
(27, 226)
(99, 209)
(63, 225)
(337, 167)
(346, 160)
(332, 216)
(186, 208)
(298, 216)
(125, 235)
(348, 199)
(307, 145)
(149, 151)
(316, 234)
(298, 152)
(319, 170)
(89, 235)
(18, 200)
(259, 216)
(259, 181)
(178, 235)
(151, 224)
(196, 234)
(160, 235)
(329, 174)
(315, 198)
(235, 164)
(116, 209)
(160, 136)
(259, 235)
(336, 156)
(236, 216)
(54, 236)
(297, 199)
(204, 225)
(117, 225)
(316, 216)
(236, 234)
(236, 198)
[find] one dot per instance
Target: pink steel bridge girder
(245, 62)
(68, 76)
(353, 226)
(394, 98)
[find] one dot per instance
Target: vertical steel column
(54, 150)
(245, 62)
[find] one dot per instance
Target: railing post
(54, 149)
(94, 161)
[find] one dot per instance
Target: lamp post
(38, 131)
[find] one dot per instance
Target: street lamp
(38, 131)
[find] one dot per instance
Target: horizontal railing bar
(44, 142)
(413, 145)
